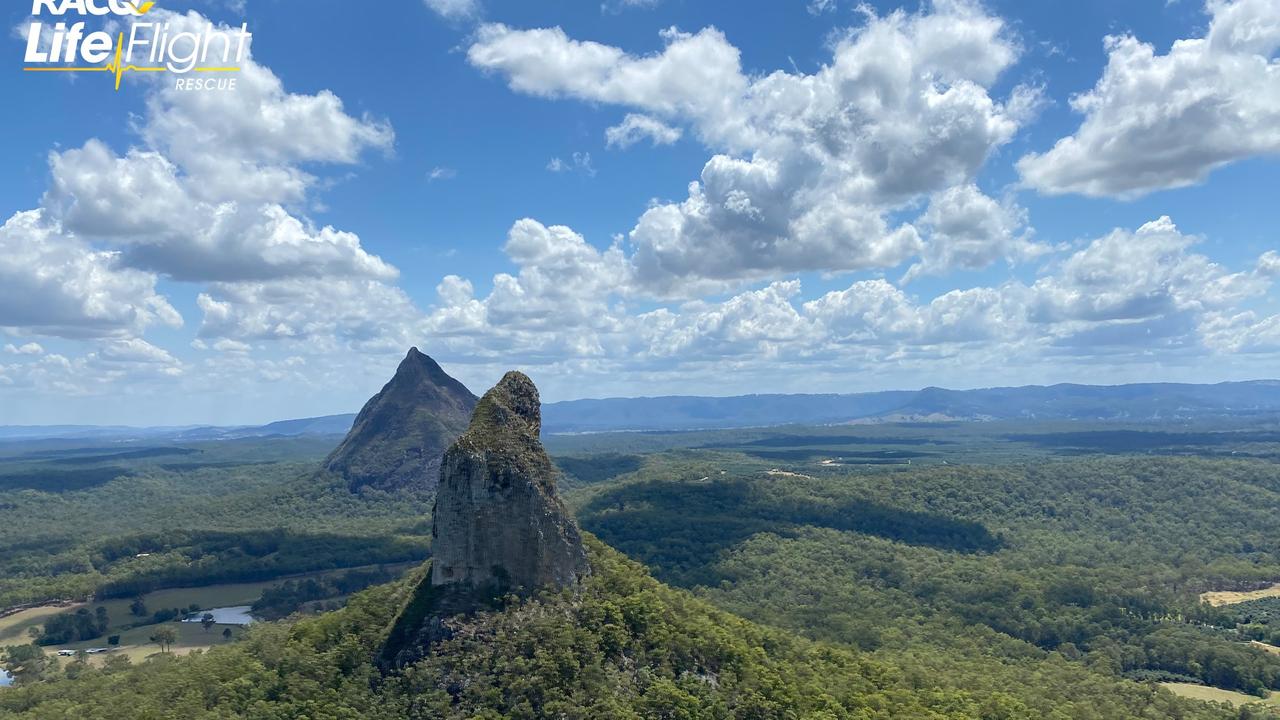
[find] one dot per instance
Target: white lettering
(73, 41)
(96, 48)
(55, 50)
(34, 55)
(183, 63)
(135, 41)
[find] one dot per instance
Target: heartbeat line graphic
(118, 67)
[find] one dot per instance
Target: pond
(5, 678)
(237, 615)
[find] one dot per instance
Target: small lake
(5, 678)
(237, 615)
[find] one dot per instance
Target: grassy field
(13, 629)
(135, 642)
(1265, 647)
(1218, 599)
(1211, 694)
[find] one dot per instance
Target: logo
(150, 47)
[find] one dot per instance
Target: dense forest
(1100, 561)
(957, 570)
(621, 646)
(231, 512)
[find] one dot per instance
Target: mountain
(498, 527)
(1136, 402)
(691, 412)
(1147, 401)
(400, 434)
(327, 425)
(317, 426)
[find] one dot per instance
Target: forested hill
(1139, 402)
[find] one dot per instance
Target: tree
(138, 608)
(27, 663)
(165, 637)
(226, 634)
(207, 622)
(113, 640)
(100, 615)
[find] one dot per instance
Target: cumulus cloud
(968, 230)
(1133, 275)
(362, 314)
(141, 201)
(1157, 121)
(810, 167)
(1127, 295)
(1269, 264)
(209, 195)
(635, 127)
(204, 198)
(26, 349)
(54, 284)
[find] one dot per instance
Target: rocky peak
(499, 527)
(498, 520)
(400, 434)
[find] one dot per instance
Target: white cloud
(53, 284)
(578, 162)
(454, 9)
(1131, 296)
(811, 167)
(134, 350)
(1242, 332)
(140, 201)
(635, 127)
(441, 173)
(967, 230)
(365, 315)
(1269, 264)
(205, 199)
(1163, 121)
(557, 302)
(617, 6)
(27, 349)
(215, 135)
(1135, 275)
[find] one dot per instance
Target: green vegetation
(1099, 561)
(236, 511)
(623, 646)
(1009, 571)
(291, 596)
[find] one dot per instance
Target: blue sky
(890, 196)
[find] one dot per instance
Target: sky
(642, 197)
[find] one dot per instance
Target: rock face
(400, 434)
(498, 519)
(499, 526)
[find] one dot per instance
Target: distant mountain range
(327, 425)
(1138, 402)
(1147, 401)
